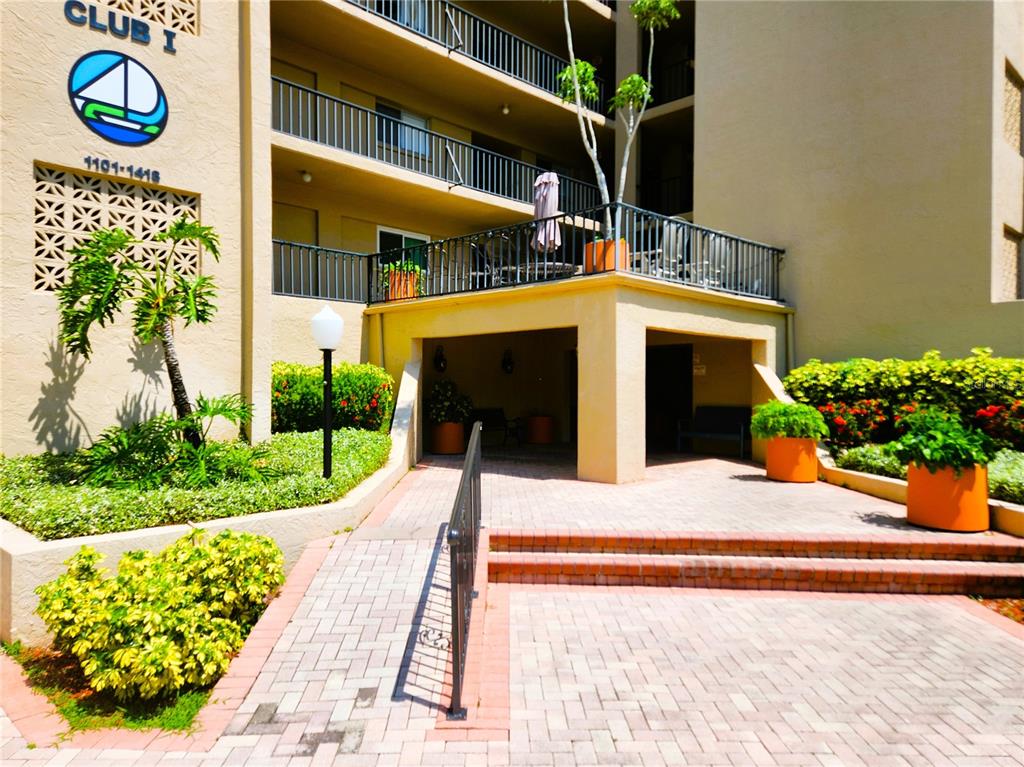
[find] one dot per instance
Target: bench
(492, 419)
(720, 422)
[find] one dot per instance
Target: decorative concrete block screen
(1012, 272)
(69, 206)
(179, 15)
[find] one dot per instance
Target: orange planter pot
(944, 501)
(448, 438)
(540, 430)
(792, 459)
(600, 256)
(402, 285)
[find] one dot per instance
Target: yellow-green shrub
(364, 397)
(958, 385)
(166, 621)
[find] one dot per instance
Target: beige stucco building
(864, 157)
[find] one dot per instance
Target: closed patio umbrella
(548, 237)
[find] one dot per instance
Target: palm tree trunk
(182, 407)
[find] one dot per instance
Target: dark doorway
(669, 394)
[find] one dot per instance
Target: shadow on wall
(59, 427)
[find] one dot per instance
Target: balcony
(660, 248)
(324, 119)
(459, 30)
(570, 246)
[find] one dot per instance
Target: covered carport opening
(697, 383)
(523, 386)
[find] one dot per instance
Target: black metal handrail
(316, 116)
(463, 541)
(310, 271)
(590, 241)
(459, 30)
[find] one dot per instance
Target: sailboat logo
(118, 98)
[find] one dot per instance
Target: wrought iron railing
(463, 541)
(459, 30)
(315, 116)
(601, 239)
(313, 272)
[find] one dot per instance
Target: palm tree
(103, 278)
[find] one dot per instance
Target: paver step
(990, 547)
(994, 579)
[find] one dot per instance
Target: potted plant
(947, 471)
(447, 411)
(600, 256)
(792, 431)
(401, 279)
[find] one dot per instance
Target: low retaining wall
(1004, 516)
(26, 561)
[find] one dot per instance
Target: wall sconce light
(507, 363)
(440, 361)
(306, 176)
(504, 109)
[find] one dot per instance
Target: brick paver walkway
(616, 676)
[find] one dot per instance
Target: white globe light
(327, 328)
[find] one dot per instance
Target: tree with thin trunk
(103, 279)
(577, 86)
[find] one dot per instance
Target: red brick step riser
(758, 573)
(1002, 549)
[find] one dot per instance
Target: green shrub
(785, 419)
(166, 621)
(963, 385)
(364, 397)
(936, 439)
(1006, 476)
(446, 405)
(43, 495)
(872, 459)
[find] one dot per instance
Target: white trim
(404, 233)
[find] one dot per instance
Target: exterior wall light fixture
(306, 176)
(440, 361)
(504, 109)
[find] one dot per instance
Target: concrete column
(612, 402)
(627, 62)
(257, 352)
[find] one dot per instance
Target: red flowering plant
(1003, 423)
(855, 423)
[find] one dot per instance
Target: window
(395, 239)
(402, 130)
(408, 13)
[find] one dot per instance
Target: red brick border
(37, 721)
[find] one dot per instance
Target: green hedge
(1005, 472)
(37, 492)
(961, 385)
(364, 397)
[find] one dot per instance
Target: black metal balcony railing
(463, 542)
(457, 29)
(315, 116)
(673, 81)
(638, 242)
(313, 272)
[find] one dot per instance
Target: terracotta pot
(944, 501)
(402, 285)
(448, 438)
(540, 430)
(792, 459)
(600, 256)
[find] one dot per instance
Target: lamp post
(327, 329)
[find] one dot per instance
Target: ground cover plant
(364, 397)
(59, 677)
(46, 494)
